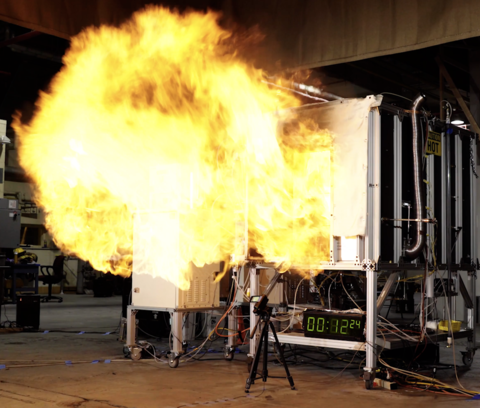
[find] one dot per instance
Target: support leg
(131, 327)
(282, 356)
(253, 371)
(232, 340)
(177, 339)
(177, 335)
(254, 290)
(371, 328)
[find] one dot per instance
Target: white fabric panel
(348, 121)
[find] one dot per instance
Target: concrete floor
(36, 374)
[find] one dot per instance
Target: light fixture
(457, 118)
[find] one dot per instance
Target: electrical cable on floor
(425, 380)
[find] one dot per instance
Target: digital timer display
(329, 325)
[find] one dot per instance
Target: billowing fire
(161, 114)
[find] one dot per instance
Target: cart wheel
(136, 353)
(467, 358)
(229, 356)
(60, 300)
(126, 352)
(368, 384)
(173, 362)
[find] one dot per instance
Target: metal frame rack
(369, 247)
(451, 194)
(176, 334)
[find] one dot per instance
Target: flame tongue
(160, 113)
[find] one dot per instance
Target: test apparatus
(413, 213)
(396, 211)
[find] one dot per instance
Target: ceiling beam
(20, 38)
(459, 97)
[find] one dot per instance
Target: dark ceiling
(28, 61)
(408, 74)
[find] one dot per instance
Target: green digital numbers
(340, 326)
(334, 328)
(320, 324)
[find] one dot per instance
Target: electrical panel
(9, 223)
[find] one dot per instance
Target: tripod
(264, 314)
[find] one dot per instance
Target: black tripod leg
(253, 370)
(282, 357)
(264, 340)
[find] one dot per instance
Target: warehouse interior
(239, 203)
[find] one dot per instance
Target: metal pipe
(315, 91)
(426, 220)
(305, 90)
(386, 290)
(416, 248)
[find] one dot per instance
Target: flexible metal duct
(416, 247)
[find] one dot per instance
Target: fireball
(162, 114)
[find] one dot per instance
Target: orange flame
(162, 114)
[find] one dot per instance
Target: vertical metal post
(457, 254)
(372, 242)
(376, 183)
(429, 280)
(397, 188)
(131, 327)
(371, 328)
(430, 202)
(458, 197)
(254, 290)
(472, 276)
(233, 327)
(443, 214)
(177, 335)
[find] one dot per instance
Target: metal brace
(368, 265)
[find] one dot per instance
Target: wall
(3, 132)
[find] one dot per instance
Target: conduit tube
(416, 247)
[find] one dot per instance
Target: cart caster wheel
(126, 352)
(368, 384)
(467, 358)
(229, 353)
(136, 353)
(173, 362)
(60, 300)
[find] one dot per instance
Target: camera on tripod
(260, 304)
(263, 311)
